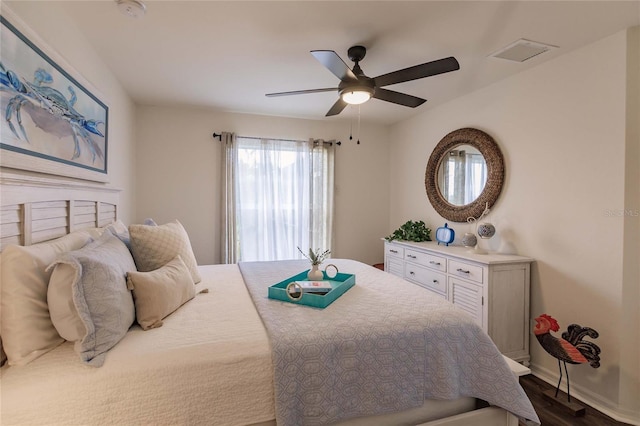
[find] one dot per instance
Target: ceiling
(228, 55)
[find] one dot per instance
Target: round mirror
(464, 173)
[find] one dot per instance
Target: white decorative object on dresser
(492, 288)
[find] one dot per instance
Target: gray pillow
(120, 230)
(149, 222)
(100, 295)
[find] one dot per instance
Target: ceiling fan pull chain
(351, 129)
(358, 124)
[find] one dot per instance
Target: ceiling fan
(356, 88)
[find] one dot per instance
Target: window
(281, 198)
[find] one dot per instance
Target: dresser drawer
(466, 270)
(426, 259)
(425, 277)
(393, 251)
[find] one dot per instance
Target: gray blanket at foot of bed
(384, 346)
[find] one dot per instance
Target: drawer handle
(462, 270)
(411, 256)
(411, 273)
(394, 251)
(435, 281)
(434, 263)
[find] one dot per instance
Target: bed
(383, 353)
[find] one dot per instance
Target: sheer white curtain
(464, 176)
(454, 178)
(279, 196)
(476, 177)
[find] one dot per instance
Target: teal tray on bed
(340, 284)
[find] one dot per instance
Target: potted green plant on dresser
(411, 231)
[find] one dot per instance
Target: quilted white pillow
(25, 324)
(155, 246)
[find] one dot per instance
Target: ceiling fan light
(357, 95)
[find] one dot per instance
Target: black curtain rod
(219, 137)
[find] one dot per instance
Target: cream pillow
(159, 293)
(25, 324)
(155, 246)
(63, 312)
(94, 233)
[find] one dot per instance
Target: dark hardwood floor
(551, 414)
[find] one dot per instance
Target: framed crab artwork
(51, 123)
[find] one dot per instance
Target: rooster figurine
(570, 348)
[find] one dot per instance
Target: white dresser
(492, 288)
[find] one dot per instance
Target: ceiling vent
(522, 50)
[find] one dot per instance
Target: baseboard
(585, 395)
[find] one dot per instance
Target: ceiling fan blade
(440, 66)
(337, 108)
(398, 98)
(302, 92)
(335, 64)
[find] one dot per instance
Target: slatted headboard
(36, 209)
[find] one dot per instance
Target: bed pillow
(149, 221)
(62, 309)
(64, 314)
(155, 246)
(94, 233)
(25, 325)
(159, 293)
(120, 230)
(99, 294)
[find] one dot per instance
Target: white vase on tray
(315, 274)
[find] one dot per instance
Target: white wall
(562, 129)
(178, 174)
(630, 342)
(60, 35)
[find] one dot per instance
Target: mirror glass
(462, 175)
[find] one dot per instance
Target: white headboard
(36, 209)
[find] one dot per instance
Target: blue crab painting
(49, 110)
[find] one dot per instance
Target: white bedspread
(210, 363)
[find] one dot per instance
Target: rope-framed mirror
(440, 177)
